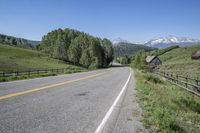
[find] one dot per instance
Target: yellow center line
(48, 86)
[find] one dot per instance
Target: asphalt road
(73, 103)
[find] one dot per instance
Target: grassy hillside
(180, 59)
(167, 108)
(19, 59)
(123, 49)
(163, 51)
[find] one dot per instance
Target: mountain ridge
(129, 49)
(167, 41)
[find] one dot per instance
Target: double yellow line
(48, 86)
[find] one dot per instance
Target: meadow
(14, 59)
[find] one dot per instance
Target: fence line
(187, 82)
(36, 72)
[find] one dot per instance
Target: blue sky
(133, 20)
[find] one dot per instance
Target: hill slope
(19, 42)
(122, 49)
(180, 59)
(19, 59)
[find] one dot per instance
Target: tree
(108, 51)
(74, 51)
(85, 59)
(139, 61)
(96, 53)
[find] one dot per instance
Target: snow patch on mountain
(163, 42)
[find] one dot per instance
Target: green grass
(25, 76)
(163, 51)
(166, 107)
(18, 59)
(180, 59)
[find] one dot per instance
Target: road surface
(86, 102)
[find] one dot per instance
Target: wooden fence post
(197, 84)
(29, 73)
(17, 73)
(177, 78)
(186, 81)
(172, 76)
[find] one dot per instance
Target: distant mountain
(163, 42)
(18, 42)
(119, 40)
(123, 48)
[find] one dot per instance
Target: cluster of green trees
(123, 60)
(77, 47)
(18, 42)
(139, 60)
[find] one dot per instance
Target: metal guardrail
(185, 81)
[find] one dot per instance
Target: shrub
(152, 78)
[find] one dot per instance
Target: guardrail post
(3, 74)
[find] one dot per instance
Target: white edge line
(103, 122)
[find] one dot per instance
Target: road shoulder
(130, 113)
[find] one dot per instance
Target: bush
(153, 79)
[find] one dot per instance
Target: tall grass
(179, 59)
(167, 108)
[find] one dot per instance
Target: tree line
(77, 47)
(18, 42)
(128, 49)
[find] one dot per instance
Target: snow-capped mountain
(119, 40)
(163, 42)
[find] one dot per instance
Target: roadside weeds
(166, 107)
